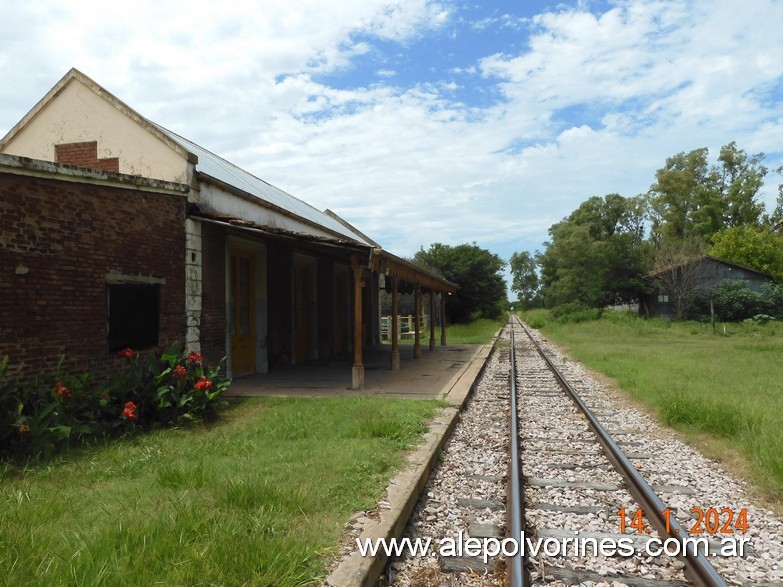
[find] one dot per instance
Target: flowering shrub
(39, 417)
(129, 411)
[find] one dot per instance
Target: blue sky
(426, 121)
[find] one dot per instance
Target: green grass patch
(725, 385)
(259, 498)
(477, 332)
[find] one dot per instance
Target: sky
(423, 121)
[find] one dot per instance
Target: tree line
(477, 271)
(604, 251)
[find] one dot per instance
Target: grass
(260, 498)
(477, 332)
(723, 387)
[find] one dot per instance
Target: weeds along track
(573, 492)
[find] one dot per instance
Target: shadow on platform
(430, 377)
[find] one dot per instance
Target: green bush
(582, 316)
(45, 415)
(568, 308)
(735, 302)
(575, 312)
(772, 299)
(761, 319)
(536, 318)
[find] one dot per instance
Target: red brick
(69, 236)
(85, 155)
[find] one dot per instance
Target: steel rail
(516, 569)
(697, 568)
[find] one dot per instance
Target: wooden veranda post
(357, 377)
(432, 319)
(443, 318)
(416, 326)
(395, 357)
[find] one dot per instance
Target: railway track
(584, 522)
(565, 441)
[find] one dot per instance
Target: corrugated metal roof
(228, 173)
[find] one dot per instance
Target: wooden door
(242, 300)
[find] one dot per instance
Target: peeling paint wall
(193, 284)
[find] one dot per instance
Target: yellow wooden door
(243, 359)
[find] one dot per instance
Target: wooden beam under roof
(393, 266)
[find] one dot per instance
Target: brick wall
(58, 241)
(85, 155)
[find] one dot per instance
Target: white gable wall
(78, 114)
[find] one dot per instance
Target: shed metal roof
(226, 172)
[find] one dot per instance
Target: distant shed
(711, 273)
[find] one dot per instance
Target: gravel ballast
(572, 490)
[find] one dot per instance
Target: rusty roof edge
(350, 226)
(234, 222)
(269, 205)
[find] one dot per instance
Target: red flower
(62, 391)
(194, 358)
(180, 371)
(126, 353)
(130, 411)
(203, 383)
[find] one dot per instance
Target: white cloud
(418, 163)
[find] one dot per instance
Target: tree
(692, 198)
(741, 179)
(405, 303)
(524, 278)
(777, 214)
(753, 247)
(677, 268)
(597, 255)
(682, 197)
(478, 273)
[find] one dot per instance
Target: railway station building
(119, 233)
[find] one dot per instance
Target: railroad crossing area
(433, 376)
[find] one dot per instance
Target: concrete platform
(431, 377)
(404, 489)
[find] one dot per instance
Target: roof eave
(206, 178)
(389, 264)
